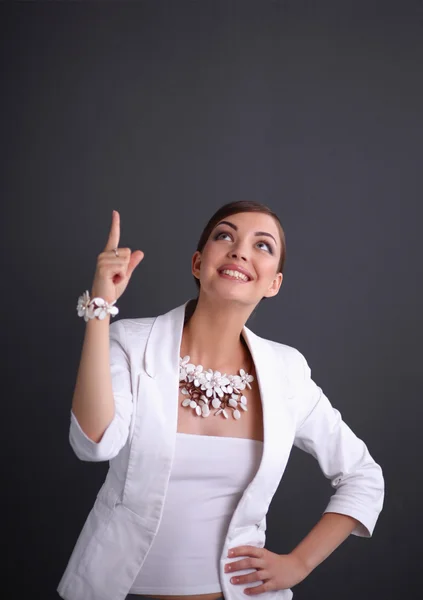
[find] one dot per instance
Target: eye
(217, 236)
(269, 247)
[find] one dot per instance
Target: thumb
(134, 261)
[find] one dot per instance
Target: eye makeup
(221, 232)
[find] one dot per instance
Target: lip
(234, 267)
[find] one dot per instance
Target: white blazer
(140, 444)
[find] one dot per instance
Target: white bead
(236, 414)
(206, 410)
(232, 403)
(198, 410)
(186, 402)
(193, 404)
(184, 391)
(225, 414)
(243, 407)
(216, 403)
(243, 400)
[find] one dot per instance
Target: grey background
(165, 111)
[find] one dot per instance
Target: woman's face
(249, 241)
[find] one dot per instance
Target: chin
(230, 295)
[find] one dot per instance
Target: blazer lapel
(154, 437)
(277, 421)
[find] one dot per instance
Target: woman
(192, 474)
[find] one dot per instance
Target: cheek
(268, 272)
(210, 254)
(204, 261)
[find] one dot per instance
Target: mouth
(240, 279)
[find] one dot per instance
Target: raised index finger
(114, 234)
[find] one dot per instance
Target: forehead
(252, 220)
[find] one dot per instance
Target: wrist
(95, 308)
(95, 294)
(304, 566)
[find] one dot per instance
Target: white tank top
(208, 478)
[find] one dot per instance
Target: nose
(239, 250)
(234, 254)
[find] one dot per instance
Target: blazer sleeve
(116, 434)
(342, 456)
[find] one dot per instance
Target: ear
(195, 264)
(275, 286)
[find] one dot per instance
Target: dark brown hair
(237, 207)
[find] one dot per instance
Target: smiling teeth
(235, 274)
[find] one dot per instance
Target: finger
(258, 589)
(134, 261)
(238, 565)
(245, 551)
(114, 234)
(246, 563)
(257, 575)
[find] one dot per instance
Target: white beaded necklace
(201, 386)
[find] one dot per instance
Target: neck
(212, 335)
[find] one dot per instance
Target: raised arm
(102, 397)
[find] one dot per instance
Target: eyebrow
(257, 233)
